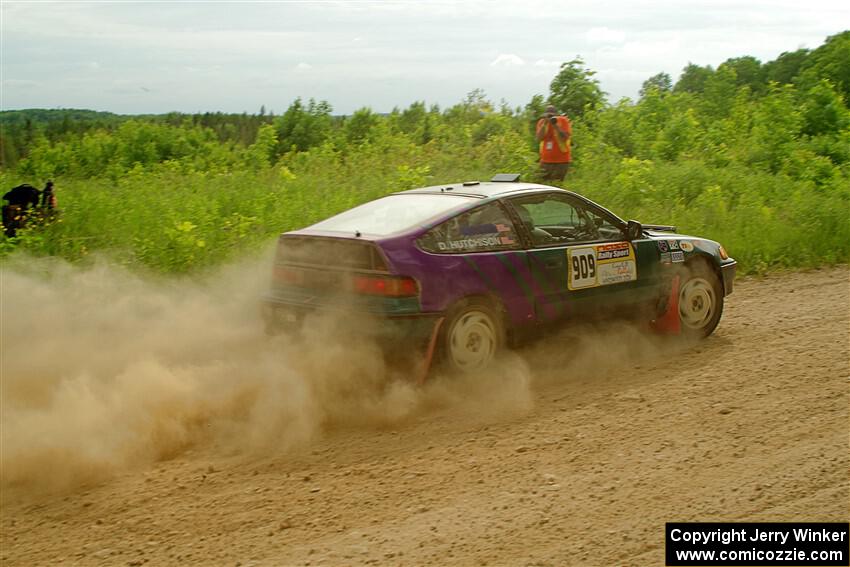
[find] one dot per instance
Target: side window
(606, 230)
(485, 229)
(552, 219)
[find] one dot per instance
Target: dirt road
(611, 437)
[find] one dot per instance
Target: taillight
(387, 286)
(290, 276)
(722, 252)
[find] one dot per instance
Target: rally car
(465, 267)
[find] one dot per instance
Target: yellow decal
(600, 264)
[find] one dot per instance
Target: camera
(553, 120)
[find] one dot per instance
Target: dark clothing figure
(21, 198)
(23, 195)
(48, 197)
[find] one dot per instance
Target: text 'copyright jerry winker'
(760, 543)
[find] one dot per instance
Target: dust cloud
(104, 370)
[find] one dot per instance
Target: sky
(199, 56)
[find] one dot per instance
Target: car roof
(481, 189)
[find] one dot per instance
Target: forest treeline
(756, 155)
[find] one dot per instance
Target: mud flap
(429, 353)
(669, 323)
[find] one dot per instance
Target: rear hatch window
(393, 213)
(333, 253)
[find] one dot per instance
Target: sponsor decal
(506, 240)
(662, 245)
(674, 244)
(617, 272)
(613, 251)
(687, 245)
(678, 256)
(603, 264)
(503, 227)
(470, 243)
(665, 258)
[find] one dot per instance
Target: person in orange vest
(554, 132)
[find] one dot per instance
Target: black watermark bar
(757, 543)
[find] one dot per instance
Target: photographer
(553, 132)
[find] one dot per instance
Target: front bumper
(727, 271)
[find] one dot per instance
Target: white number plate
(601, 264)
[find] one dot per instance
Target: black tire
(472, 336)
(700, 299)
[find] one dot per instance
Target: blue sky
(159, 56)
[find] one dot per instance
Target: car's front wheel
(700, 300)
(473, 336)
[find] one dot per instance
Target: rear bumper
(728, 272)
(280, 316)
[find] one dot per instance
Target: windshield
(392, 214)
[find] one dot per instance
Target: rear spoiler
(660, 227)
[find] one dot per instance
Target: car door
(579, 257)
(480, 254)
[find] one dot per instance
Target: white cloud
(380, 54)
(21, 84)
(507, 60)
(604, 35)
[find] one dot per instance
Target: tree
(535, 108)
(693, 78)
(531, 114)
(785, 67)
(660, 82)
(748, 71)
(574, 90)
(412, 117)
(261, 153)
(303, 128)
(829, 61)
(719, 92)
(358, 128)
(473, 108)
(823, 110)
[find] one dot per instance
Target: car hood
(664, 235)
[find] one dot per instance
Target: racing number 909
(584, 267)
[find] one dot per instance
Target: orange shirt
(552, 148)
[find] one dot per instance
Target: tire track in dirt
(751, 424)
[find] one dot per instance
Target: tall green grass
(172, 221)
(173, 200)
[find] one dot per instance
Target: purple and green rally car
(466, 267)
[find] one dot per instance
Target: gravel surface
(611, 437)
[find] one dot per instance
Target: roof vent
(471, 183)
(506, 177)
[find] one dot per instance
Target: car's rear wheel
(473, 336)
(700, 299)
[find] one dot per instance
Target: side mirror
(634, 230)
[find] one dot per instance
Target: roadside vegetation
(755, 155)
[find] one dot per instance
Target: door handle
(551, 263)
